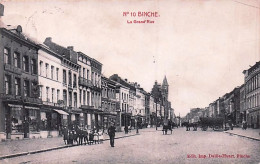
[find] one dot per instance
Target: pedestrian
(111, 133)
(70, 137)
(100, 137)
(85, 135)
(96, 136)
(80, 135)
(126, 129)
(91, 137)
(65, 135)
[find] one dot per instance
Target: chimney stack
(70, 48)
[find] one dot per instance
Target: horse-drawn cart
(214, 123)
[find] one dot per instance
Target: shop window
(34, 125)
(16, 120)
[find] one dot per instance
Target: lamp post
(156, 116)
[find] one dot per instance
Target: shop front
(22, 121)
(52, 121)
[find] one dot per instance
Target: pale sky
(202, 46)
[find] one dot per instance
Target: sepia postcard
(129, 82)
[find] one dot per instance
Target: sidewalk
(14, 148)
(248, 133)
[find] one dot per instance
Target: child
(96, 136)
(101, 136)
(91, 137)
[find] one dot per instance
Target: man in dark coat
(111, 132)
(65, 135)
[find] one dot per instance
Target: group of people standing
(78, 135)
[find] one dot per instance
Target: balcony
(13, 69)
(48, 103)
(32, 100)
(85, 82)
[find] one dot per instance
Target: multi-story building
(85, 90)
(108, 101)
(52, 116)
(242, 103)
(96, 68)
(252, 95)
(69, 70)
(122, 94)
(19, 102)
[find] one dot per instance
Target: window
(65, 97)
(34, 89)
(40, 96)
(33, 66)
(25, 64)
(84, 73)
(47, 69)
(74, 81)
(58, 95)
(47, 94)
(57, 74)
(26, 88)
(7, 56)
(70, 98)
(41, 63)
(80, 96)
(70, 79)
(52, 72)
(75, 99)
(84, 97)
(92, 77)
(17, 60)
(88, 98)
(52, 94)
(7, 84)
(87, 74)
(64, 77)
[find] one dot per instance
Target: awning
(61, 111)
(30, 107)
(15, 106)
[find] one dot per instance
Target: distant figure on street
(244, 125)
(126, 129)
(111, 132)
(65, 135)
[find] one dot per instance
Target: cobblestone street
(153, 147)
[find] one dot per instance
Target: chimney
(47, 41)
(70, 48)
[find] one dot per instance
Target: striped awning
(61, 112)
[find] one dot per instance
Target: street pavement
(153, 147)
(25, 146)
(248, 133)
